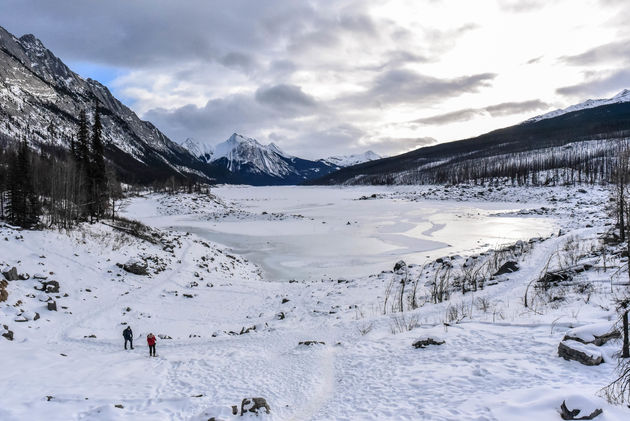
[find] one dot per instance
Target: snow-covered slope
(203, 151)
(256, 163)
(348, 160)
(41, 98)
(623, 96)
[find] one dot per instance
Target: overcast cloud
(331, 77)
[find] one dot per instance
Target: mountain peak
(623, 96)
(349, 160)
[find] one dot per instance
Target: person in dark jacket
(151, 342)
(128, 335)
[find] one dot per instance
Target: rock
(4, 295)
(280, 316)
(11, 274)
(507, 267)
(234, 410)
(254, 405)
(118, 406)
(309, 343)
(50, 287)
(36, 317)
(423, 343)
(570, 414)
(40, 276)
(400, 265)
(285, 300)
(8, 334)
(162, 336)
(52, 306)
(136, 266)
(586, 354)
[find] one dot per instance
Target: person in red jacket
(151, 341)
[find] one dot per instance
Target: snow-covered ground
(499, 360)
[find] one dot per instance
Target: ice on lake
(325, 232)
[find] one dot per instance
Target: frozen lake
(325, 232)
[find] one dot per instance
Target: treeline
(586, 162)
(52, 186)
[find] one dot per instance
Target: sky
(321, 78)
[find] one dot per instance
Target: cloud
(451, 117)
(403, 86)
(497, 110)
(285, 97)
(598, 84)
(509, 108)
(521, 6)
(395, 145)
(618, 51)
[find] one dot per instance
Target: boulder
(507, 267)
(52, 306)
(254, 405)
(423, 343)
(400, 265)
(586, 354)
(8, 334)
(11, 274)
(136, 266)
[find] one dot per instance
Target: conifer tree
(24, 205)
(98, 178)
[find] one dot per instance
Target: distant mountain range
(559, 139)
(41, 98)
(254, 163)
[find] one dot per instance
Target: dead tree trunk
(625, 353)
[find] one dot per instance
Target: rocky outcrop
(52, 306)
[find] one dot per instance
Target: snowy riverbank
(499, 360)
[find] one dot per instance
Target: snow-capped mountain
(251, 162)
(623, 96)
(41, 98)
(349, 160)
(202, 151)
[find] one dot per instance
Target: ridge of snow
(623, 96)
(349, 160)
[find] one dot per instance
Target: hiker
(128, 335)
(151, 341)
